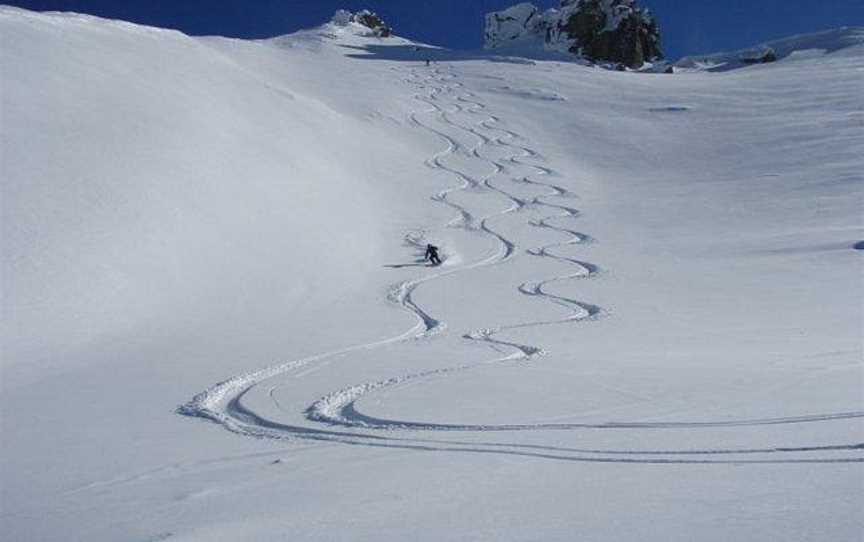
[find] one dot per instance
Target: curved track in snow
(224, 402)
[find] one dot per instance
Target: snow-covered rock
(516, 23)
(365, 18)
(760, 56)
(342, 17)
(615, 31)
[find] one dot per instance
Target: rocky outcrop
(372, 21)
(606, 31)
(761, 56)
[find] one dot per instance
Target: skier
(432, 255)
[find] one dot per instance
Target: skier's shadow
(418, 263)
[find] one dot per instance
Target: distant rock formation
(761, 56)
(522, 22)
(366, 18)
(613, 31)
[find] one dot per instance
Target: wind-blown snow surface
(647, 326)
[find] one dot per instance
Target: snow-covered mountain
(218, 325)
(792, 48)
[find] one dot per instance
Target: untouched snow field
(216, 324)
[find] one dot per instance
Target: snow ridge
(826, 42)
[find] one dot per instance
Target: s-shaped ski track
(223, 402)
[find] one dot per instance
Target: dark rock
(763, 56)
(602, 31)
(611, 31)
(364, 17)
(374, 22)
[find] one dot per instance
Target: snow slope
(647, 325)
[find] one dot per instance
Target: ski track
(445, 96)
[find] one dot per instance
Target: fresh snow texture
(218, 325)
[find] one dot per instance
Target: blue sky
(687, 26)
